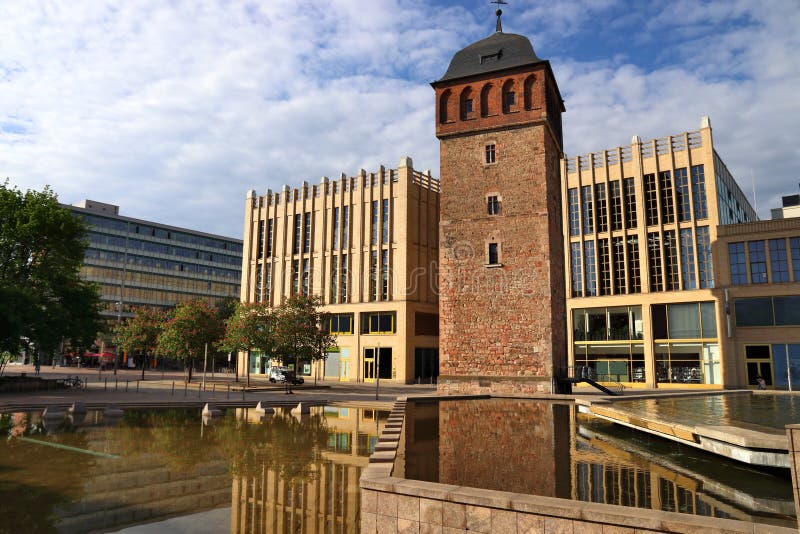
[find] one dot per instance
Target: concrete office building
(142, 263)
(367, 246)
(671, 282)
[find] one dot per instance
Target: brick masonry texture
(509, 321)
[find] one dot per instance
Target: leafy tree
(249, 328)
(189, 327)
(140, 333)
(298, 330)
(42, 297)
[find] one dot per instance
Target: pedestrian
(37, 365)
(762, 384)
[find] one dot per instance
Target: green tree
(42, 297)
(298, 330)
(140, 333)
(190, 326)
(249, 328)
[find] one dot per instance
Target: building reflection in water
(279, 473)
(548, 449)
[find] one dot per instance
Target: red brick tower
(501, 276)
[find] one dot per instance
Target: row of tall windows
(134, 244)
(748, 261)
(110, 257)
(339, 279)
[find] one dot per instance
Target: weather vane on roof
(499, 26)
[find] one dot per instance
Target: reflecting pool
(547, 448)
(172, 470)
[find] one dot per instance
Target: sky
(174, 109)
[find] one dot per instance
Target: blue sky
(173, 110)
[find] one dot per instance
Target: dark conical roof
(497, 52)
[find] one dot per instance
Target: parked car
(283, 374)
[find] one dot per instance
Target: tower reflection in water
(548, 449)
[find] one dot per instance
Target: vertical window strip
(650, 200)
(296, 244)
(384, 275)
(577, 274)
(794, 247)
(586, 201)
(634, 278)
(667, 205)
(373, 276)
(295, 276)
(268, 284)
(386, 223)
(630, 202)
(591, 279)
(699, 192)
(261, 224)
(778, 260)
(604, 265)
(654, 256)
(335, 229)
(704, 263)
(615, 195)
(345, 279)
(684, 207)
(618, 250)
(270, 233)
(737, 262)
(687, 259)
(306, 277)
(334, 279)
(258, 282)
(758, 262)
(601, 210)
(307, 232)
(670, 261)
(574, 212)
(345, 227)
(374, 240)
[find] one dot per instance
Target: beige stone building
(641, 226)
(368, 246)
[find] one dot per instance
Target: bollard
(126, 386)
(173, 389)
(105, 388)
(137, 386)
(228, 393)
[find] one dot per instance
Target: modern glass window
(261, 231)
(794, 246)
(378, 323)
(754, 312)
(341, 323)
(690, 320)
(683, 207)
(576, 269)
(586, 202)
(298, 221)
(345, 226)
(618, 323)
(621, 361)
(667, 205)
(589, 269)
(687, 259)
(384, 275)
(574, 212)
(604, 266)
(778, 261)
(650, 199)
(601, 209)
(758, 262)
(490, 155)
(494, 254)
(335, 229)
(493, 205)
(306, 277)
(615, 206)
(704, 263)
(699, 192)
(258, 282)
(634, 272)
(386, 222)
(268, 284)
(270, 233)
(654, 263)
(738, 264)
(787, 310)
(375, 218)
(630, 202)
(618, 253)
(670, 261)
(334, 279)
(295, 277)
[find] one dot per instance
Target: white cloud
(174, 110)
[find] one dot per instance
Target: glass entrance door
(369, 365)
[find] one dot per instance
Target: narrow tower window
(494, 254)
(491, 154)
(493, 205)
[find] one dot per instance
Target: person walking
(37, 364)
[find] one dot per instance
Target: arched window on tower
(488, 100)
(530, 81)
(510, 97)
(467, 104)
(444, 103)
